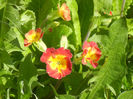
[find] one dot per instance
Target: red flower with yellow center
(58, 62)
(33, 36)
(64, 12)
(91, 53)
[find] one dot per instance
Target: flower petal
(26, 43)
(49, 52)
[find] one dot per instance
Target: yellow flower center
(91, 54)
(34, 37)
(61, 12)
(58, 62)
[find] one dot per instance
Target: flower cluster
(58, 61)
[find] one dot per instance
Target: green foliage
(103, 5)
(57, 33)
(41, 8)
(86, 10)
(28, 20)
(28, 75)
(114, 66)
(72, 4)
(65, 97)
(126, 95)
(2, 4)
(130, 29)
(23, 76)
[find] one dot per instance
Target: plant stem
(54, 90)
(122, 7)
(43, 22)
(89, 30)
(87, 36)
(58, 84)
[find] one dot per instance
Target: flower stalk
(122, 8)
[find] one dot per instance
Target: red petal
(83, 61)
(41, 35)
(39, 30)
(30, 32)
(52, 73)
(49, 52)
(63, 51)
(26, 43)
(89, 44)
(93, 64)
(68, 69)
(110, 13)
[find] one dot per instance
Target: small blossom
(32, 36)
(58, 62)
(110, 13)
(91, 53)
(64, 12)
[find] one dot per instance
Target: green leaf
(117, 4)
(11, 41)
(28, 74)
(28, 20)
(12, 15)
(5, 72)
(27, 69)
(21, 41)
(72, 4)
(6, 60)
(126, 95)
(52, 39)
(73, 83)
(103, 5)
(2, 4)
(130, 28)
(41, 8)
(86, 8)
(113, 69)
(65, 97)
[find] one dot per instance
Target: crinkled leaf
(28, 74)
(113, 69)
(28, 20)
